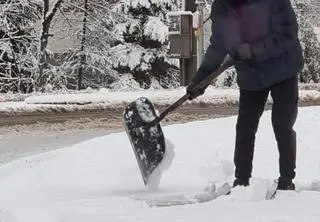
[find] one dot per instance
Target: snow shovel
(143, 128)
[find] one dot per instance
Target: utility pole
(189, 66)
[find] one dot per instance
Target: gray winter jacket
(271, 29)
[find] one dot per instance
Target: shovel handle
(228, 63)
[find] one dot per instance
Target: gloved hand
(244, 52)
(194, 91)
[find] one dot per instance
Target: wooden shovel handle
(228, 63)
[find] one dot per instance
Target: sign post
(186, 36)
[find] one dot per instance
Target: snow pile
(309, 86)
(126, 83)
(309, 95)
(106, 99)
(159, 97)
(6, 216)
(11, 97)
(156, 29)
(257, 191)
(99, 180)
(155, 177)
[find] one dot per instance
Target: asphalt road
(27, 134)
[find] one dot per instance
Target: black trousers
(284, 114)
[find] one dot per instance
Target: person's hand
(193, 91)
(244, 52)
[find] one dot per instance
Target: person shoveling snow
(261, 36)
(261, 39)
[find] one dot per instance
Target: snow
(7, 216)
(156, 29)
(317, 31)
(178, 13)
(144, 110)
(162, 2)
(118, 99)
(147, 3)
(99, 179)
(142, 3)
(156, 175)
(126, 83)
(127, 55)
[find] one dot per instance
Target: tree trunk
(47, 19)
(83, 42)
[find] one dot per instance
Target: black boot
(285, 184)
(241, 182)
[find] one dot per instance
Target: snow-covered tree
(142, 46)
(18, 44)
(96, 39)
(88, 63)
(308, 19)
(47, 16)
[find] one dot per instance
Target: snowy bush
(308, 19)
(227, 79)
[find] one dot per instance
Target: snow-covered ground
(99, 180)
(105, 99)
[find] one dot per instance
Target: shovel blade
(148, 142)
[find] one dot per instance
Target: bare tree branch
(47, 19)
(18, 37)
